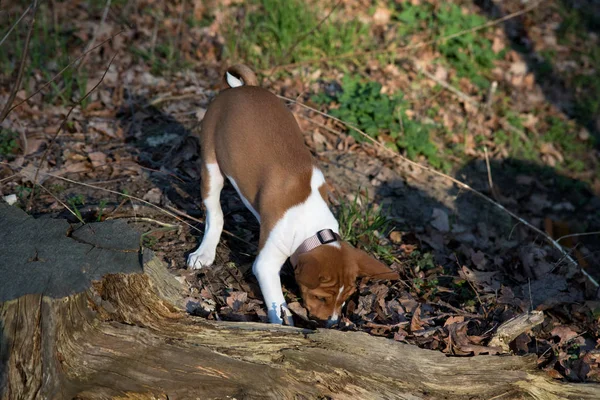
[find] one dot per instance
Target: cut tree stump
(85, 314)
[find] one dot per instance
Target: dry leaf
(97, 158)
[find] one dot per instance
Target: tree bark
(127, 337)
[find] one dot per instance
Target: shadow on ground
(462, 228)
(170, 153)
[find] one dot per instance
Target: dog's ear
(307, 271)
(370, 267)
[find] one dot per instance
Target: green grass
(75, 202)
(47, 54)
(101, 208)
(362, 104)
(272, 28)
(470, 54)
(9, 144)
(163, 59)
(361, 225)
(564, 136)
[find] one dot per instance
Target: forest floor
(505, 100)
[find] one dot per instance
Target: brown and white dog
(250, 137)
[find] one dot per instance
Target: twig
(578, 234)
(178, 35)
(414, 46)
(15, 88)
(153, 41)
(489, 169)
(15, 24)
(468, 99)
(96, 32)
(121, 194)
(463, 96)
(456, 310)
(146, 219)
(462, 185)
(171, 214)
(59, 130)
(458, 264)
(233, 235)
(168, 97)
(63, 204)
(8, 177)
(63, 70)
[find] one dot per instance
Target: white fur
(244, 200)
(233, 81)
(297, 224)
(305, 219)
(335, 315)
(204, 256)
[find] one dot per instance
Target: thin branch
(489, 172)
(468, 99)
(577, 235)
(146, 219)
(463, 96)
(462, 185)
(15, 88)
(15, 24)
(121, 194)
(233, 235)
(130, 197)
(63, 204)
(60, 128)
(8, 178)
(440, 39)
(96, 32)
(63, 70)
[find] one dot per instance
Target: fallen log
(99, 318)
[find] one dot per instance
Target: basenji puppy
(251, 138)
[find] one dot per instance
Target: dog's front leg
(266, 268)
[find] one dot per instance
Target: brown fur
(272, 166)
(321, 273)
(258, 144)
(244, 73)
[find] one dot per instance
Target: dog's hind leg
(212, 184)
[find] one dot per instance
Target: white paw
(275, 315)
(198, 260)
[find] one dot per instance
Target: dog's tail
(240, 75)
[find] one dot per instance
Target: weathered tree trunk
(124, 337)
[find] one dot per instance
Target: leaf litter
(466, 268)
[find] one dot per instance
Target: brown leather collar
(322, 237)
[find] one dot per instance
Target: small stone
(10, 199)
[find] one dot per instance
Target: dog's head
(327, 277)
